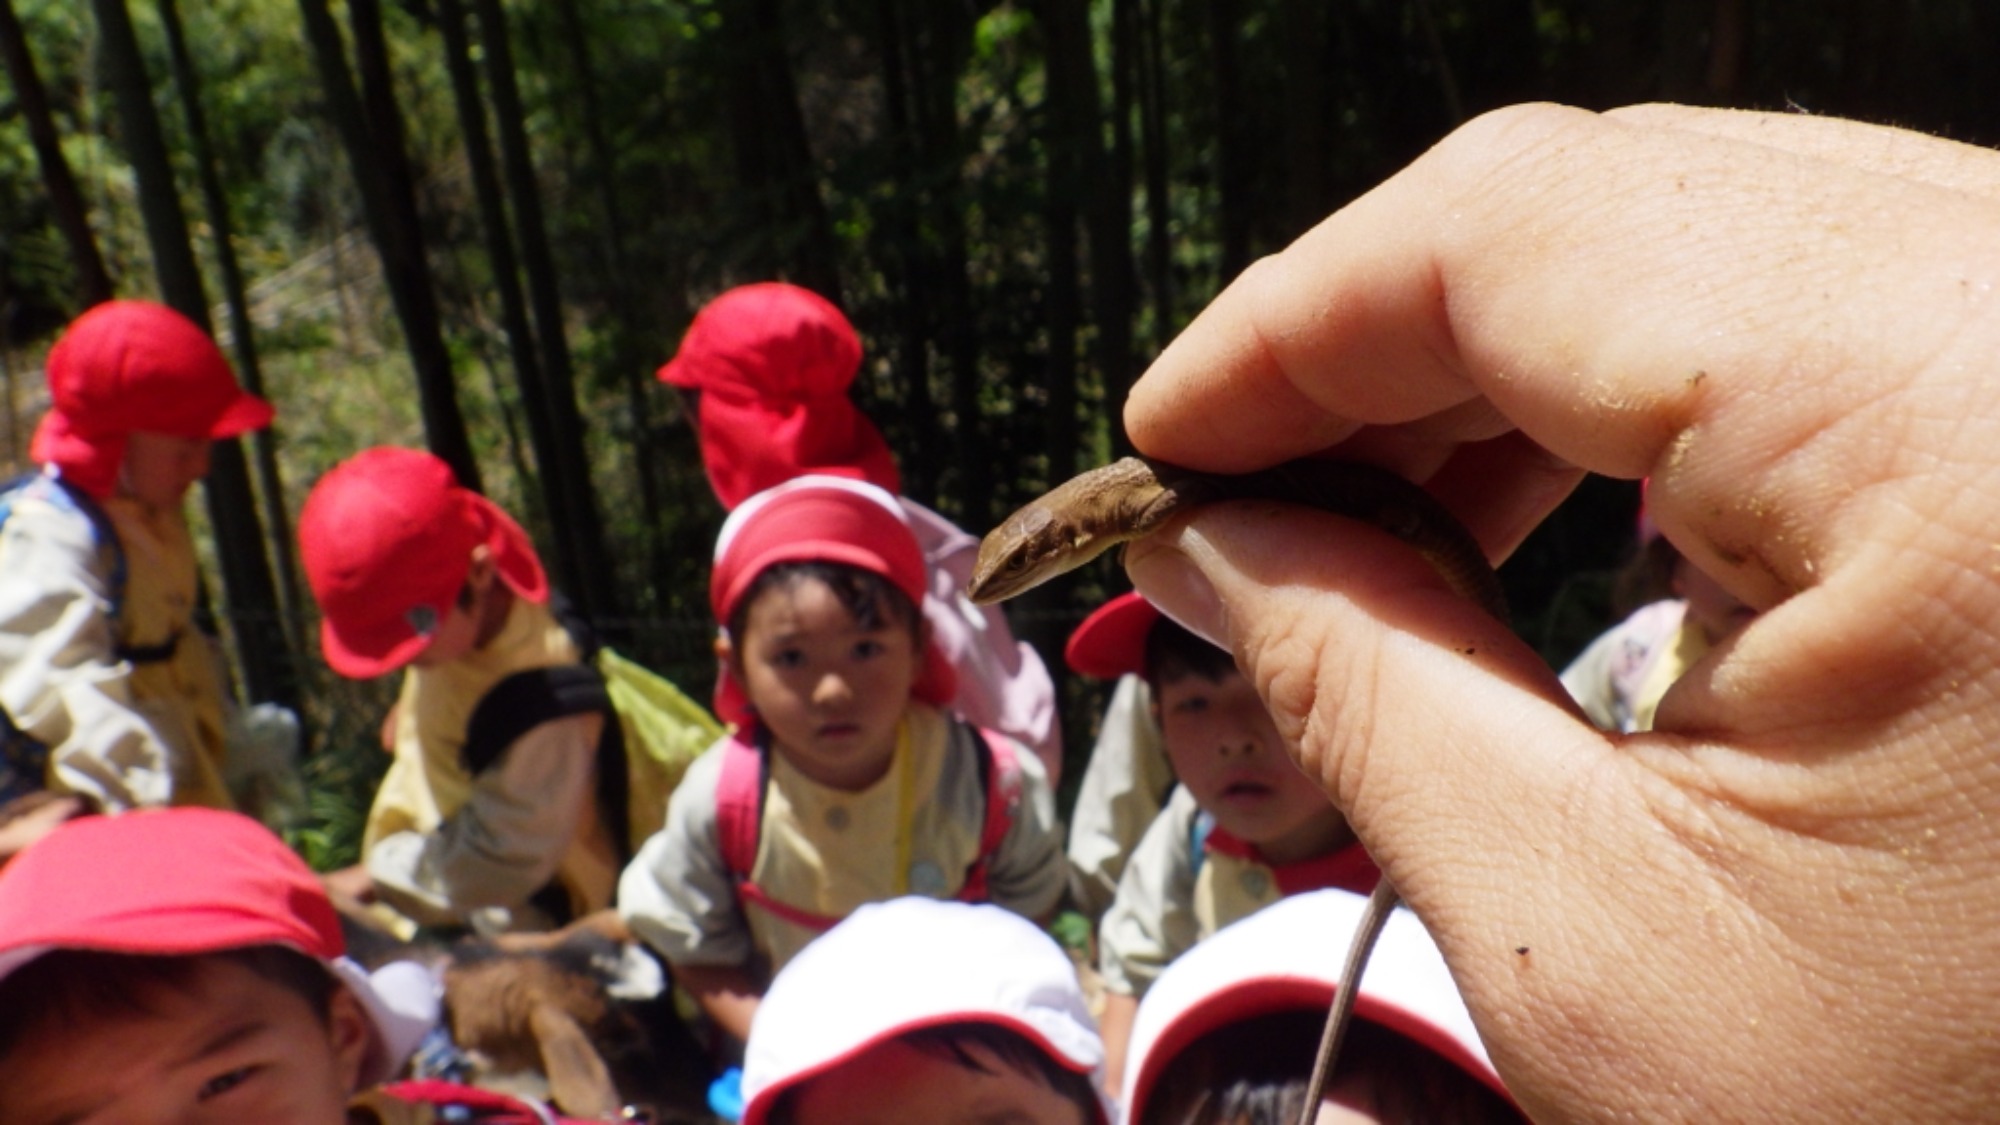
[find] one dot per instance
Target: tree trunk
(263, 443)
(93, 280)
(1153, 130)
(266, 670)
(373, 138)
(903, 252)
(1454, 105)
(628, 357)
(578, 529)
(1307, 130)
(1233, 164)
(1064, 299)
(773, 151)
(1107, 182)
(500, 253)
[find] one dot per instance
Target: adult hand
(1783, 902)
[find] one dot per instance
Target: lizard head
(1031, 547)
(1070, 526)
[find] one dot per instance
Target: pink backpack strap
(739, 806)
(1003, 799)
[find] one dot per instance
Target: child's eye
(1192, 705)
(787, 658)
(869, 649)
(223, 1083)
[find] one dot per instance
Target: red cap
(773, 363)
(1111, 642)
(190, 881)
(387, 537)
(127, 366)
(820, 519)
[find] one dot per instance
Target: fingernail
(1173, 583)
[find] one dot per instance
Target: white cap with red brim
(1288, 956)
(906, 965)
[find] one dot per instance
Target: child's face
(1226, 750)
(160, 468)
(230, 1046)
(829, 690)
(459, 632)
(889, 1083)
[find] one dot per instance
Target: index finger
(1601, 285)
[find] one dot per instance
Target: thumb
(1508, 823)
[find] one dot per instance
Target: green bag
(664, 732)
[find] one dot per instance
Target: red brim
(1111, 642)
(247, 413)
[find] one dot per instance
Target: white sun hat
(1285, 957)
(907, 965)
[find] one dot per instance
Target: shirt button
(836, 818)
(1255, 883)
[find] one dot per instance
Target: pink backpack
(739, 820)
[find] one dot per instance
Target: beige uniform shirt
(442, 844)
(1173, 896)
(828, 851)
(124, 736)
(1620, 679)
(1124, 786)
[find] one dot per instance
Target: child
(921, 1010)
(845, 783)
(1244, 829)
(1621, 677)
(182, 965)
(1229, 1033)
(765, 369)
(111, 691)
(509, 803)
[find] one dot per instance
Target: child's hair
(870, 598)
(1255, 1072)
(953, 1043)
(68, 986)
(1172, 652)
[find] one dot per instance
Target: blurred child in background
(509, 804)
(765, 371)
(1682, 613)
(917, 1010)
(1244, 829)
(183, 965)
(846, 783)
(111, 691)
(1228, 1034)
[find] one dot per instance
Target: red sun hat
(130, 366)
(387, 539)
(1111, 642)
(190, 881)
(820, 519)
(773, 363)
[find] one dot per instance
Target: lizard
(1133, 497)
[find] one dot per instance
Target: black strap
(149, 654)
(524, 701)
